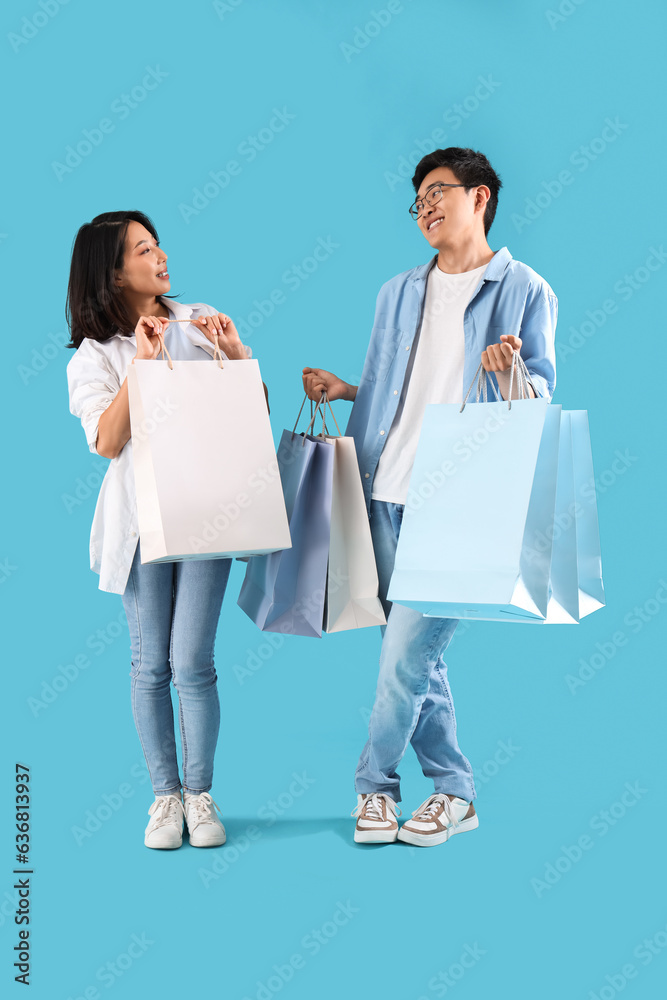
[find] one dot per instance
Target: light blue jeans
(172, 610)
(413, 703)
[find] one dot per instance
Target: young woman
(118, 310)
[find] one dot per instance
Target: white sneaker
(376, 823)
(204, 825)
(437, 819)
(165, 829)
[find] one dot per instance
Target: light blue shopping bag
(589, 560)
(285, 590)
(482, 491)
(576, 587)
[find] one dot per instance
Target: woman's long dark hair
(95, 307)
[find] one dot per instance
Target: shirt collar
(181, 311)
(494, 271)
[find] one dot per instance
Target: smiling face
(457, 217)
(144, 270)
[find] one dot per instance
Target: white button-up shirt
(94, 375)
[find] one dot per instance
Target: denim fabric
(172, 610)
(510, 298)
(413, 702)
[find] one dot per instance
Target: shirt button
(408, 347)
(381, 432)
(367, 475)
(396, 392)
(133, 534)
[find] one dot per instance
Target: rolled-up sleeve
(538, 334)
(93, 386)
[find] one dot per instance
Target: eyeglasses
(432, 197)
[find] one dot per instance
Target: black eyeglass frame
(436, 187)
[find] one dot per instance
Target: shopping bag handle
(518, 370)
(313, 417)
(217, 353)
(163, 351)
(324, 402)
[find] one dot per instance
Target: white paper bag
(206, 474)
(352, 581)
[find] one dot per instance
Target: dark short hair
(469, 167)
(95, 307)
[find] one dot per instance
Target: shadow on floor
(290, 829)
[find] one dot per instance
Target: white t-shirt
(434, 375)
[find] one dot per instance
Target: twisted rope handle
(481, 377)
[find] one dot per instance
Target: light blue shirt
(510, 298)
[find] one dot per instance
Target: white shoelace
(372, 806)
(199, 810)
(429, 807)
(165, 810)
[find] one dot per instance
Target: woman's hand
(148, 331)
(317, 380)
(220, 328)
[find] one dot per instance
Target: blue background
(552, 81)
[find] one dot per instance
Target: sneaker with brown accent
(376, 819)
(437, 819)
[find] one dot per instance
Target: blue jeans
(172, 610)
(413, 703)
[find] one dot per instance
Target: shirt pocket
(381, 353)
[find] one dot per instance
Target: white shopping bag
(206, 474)
(352, 581)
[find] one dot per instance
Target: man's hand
(497, 358)
(317, 380)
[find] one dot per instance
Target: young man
(432, 326)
